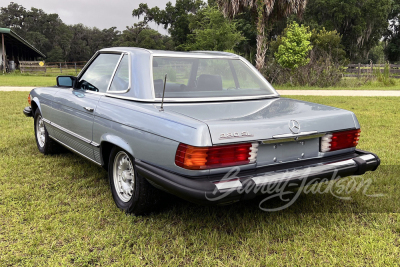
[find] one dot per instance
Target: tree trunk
(261, 38)
(261, 51)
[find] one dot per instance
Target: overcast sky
(93, 13)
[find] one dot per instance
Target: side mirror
(66, 81)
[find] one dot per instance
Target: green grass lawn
(31, 79)
(26, 80)
(347, 84)
(58, 210)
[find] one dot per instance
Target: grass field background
(58, 210)
(31, 79)
(346, 84)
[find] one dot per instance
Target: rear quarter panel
(148, 134)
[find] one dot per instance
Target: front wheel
(132, 193)
(45, 144)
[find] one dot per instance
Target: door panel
(74, 123)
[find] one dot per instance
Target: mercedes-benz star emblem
(294, 126)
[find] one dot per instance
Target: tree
(328, 44)
(392, 35)
(211, 31)
(79, 49)
(141, 35)
(174, 18)
(295, 47)
(49, 34)
(377, 54)
(266, 13)
(55, 55)
(361, 23)
(12, 17)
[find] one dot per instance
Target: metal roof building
(14, 48)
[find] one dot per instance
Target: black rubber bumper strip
(197, 190)
(28, 112)
(190, 190)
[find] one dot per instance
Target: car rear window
(206, 77)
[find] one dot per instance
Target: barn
(14, 49)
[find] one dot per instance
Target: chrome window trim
(204, 99)
(71, 133)
(79, 76)
(91, 92)
(115, 72)
(195, 55)
(189, 100)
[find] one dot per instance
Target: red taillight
(200, 158)
(340, 140)
(29, 99)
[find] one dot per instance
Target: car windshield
(206, 77)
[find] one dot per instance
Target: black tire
(46, 145)
(137, 198)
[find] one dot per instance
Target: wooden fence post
(60, 68)
(75, 69)
(372, 69)
(359, 70)
(3, 53)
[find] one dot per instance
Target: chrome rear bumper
(366, 163)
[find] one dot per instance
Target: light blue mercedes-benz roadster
(204, 126)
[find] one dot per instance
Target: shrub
(328, 42)
(324, 67)
(320, 71)
(294, 47)
(384, 77)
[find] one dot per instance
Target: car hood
(263, 119)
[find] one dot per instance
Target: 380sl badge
(235, 135)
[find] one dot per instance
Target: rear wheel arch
(105, 151)
(106, 146)
(131, 192)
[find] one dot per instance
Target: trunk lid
(268, 121)
(262, 119)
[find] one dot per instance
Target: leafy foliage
(377, 54)
(323, 69)
(353, 26)
(141, 35)
(265, 13)
(49, 34)
(328, 43)
(295, 47)
(392, 35)
(212, 31)
(174, 18)
(384, 76)
(360, 23)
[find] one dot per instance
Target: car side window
(97, 76)
(120, 81)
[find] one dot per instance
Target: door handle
(89, 109)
